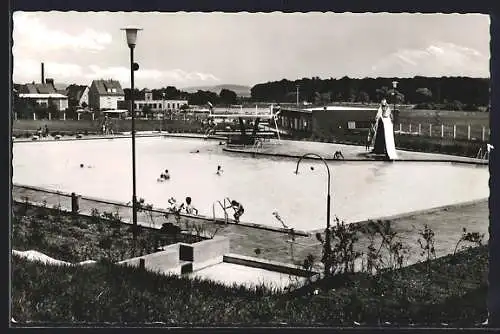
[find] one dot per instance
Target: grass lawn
(450, 289)
(79, 238)
(453, 294)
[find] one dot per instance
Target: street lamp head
(131, 34)
(395, 84)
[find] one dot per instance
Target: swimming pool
(360, 190)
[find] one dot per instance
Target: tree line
(201, 97)
(455, 93)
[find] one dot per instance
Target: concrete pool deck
(295, 149)
(447, 223)
(122, 135)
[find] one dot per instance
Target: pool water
(360, 190)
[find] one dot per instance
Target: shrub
(426, 243)
(341, 257)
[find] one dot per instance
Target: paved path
(119, 135)
(446, 222)
(295, 149)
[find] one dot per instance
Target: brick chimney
(43, 74)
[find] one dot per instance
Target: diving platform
(250, 129)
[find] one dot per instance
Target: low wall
(119, 125)
(205, 250)
(267, 265)
(163, 262)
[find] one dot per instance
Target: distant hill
(240, 90)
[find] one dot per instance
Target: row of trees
(418, 90)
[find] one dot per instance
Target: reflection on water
(360, 190)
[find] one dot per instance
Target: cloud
(30, 33)
(27, 70)
(437, 59)
(176, 76)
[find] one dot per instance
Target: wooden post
(483, 133)
(419, 129)
(430, 130)
(93, 117)
(142, 264)
(78, 116)
(15, 116)
(468, 132)
(75, 207)
(410, 129)
(442, 130)
(34, 116)
(64, 116)
(50, 116)
(454, 131)
(399, 127)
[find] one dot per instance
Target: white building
(59, 101)
(105, 94)
(158, 105)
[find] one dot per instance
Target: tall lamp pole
(328, 201)
(297, 86)
(131, 34)
(162, 109)
(394, 85)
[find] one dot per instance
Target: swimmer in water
(219, 170)
(81, 165)
(164, 176)
(197, 151)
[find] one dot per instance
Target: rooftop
(108, 87)
(43, 96)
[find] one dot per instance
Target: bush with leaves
(474, 238)
(426, 243)
(341, 257)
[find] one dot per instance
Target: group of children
(43, 132)
(189, 209)
(164, 176)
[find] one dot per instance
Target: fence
(88, 206)
(445, 131)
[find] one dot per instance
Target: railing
(223, 206)
(446, 131)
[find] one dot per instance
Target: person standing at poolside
(238, 209)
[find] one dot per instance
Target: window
(351, 125)
(113, 90)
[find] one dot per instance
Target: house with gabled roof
(43, 94)
(78, 95)
(105, 94)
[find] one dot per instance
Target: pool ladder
(258, 144)
(223, 206)
(483, 154)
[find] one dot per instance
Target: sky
(204, 49)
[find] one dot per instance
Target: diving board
(244, 116)
(256, 116)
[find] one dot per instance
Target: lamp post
(394, 85)
(327, 231)
(131, 34)
(162, 109)
(297, 86)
